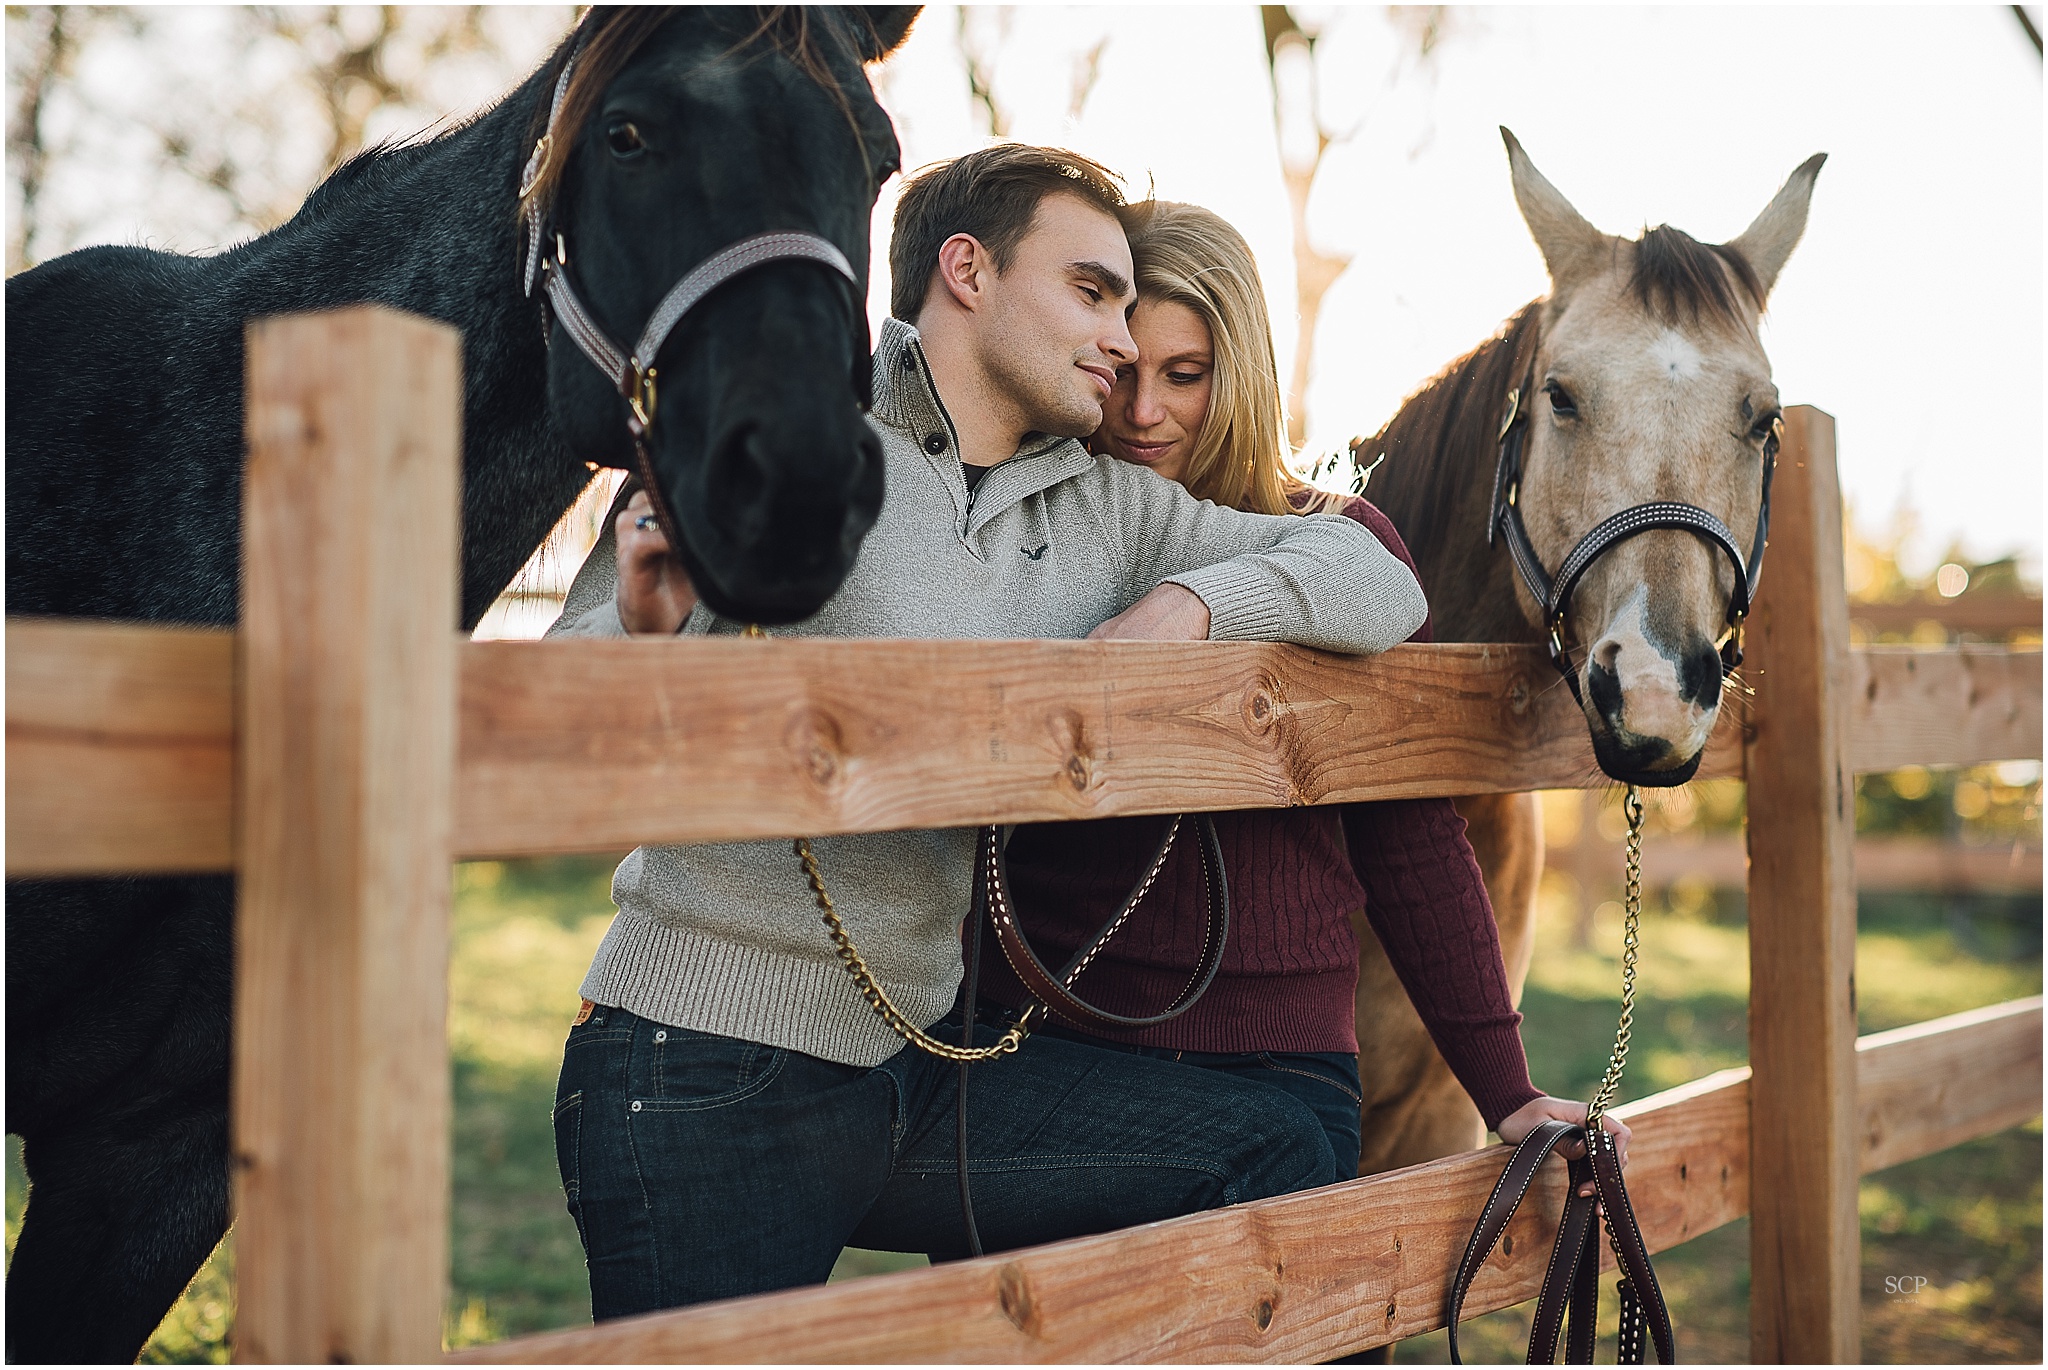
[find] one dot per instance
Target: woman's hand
(1524, 1120)
(655, 594)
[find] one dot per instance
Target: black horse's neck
(1436, 484)
(432, 229)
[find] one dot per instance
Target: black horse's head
(682, 131)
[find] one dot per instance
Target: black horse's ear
(886, 28)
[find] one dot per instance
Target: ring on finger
(645, 522)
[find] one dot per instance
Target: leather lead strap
(1570, 1297)
(1055, 992)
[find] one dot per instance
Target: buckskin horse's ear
(1572, 248)
(886, 28)
(1766, 243)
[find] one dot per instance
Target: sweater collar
(905, 399)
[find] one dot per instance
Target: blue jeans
(702, 1167)
(1327, 1081)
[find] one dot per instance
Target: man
(731, 1113)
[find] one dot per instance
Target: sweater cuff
(1495, 1071)
(1242, 607)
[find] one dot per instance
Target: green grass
(1967, 1220)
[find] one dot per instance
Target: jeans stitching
(998, 1165)
(740, 1095)
(1272, 1064)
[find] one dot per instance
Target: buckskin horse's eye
(624, 139)
(1561, 403)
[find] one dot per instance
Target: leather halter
(633, 373)
(1554, 593)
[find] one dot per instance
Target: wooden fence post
(1805, 1292)
(348, 688)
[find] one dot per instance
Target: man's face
(1054, 332)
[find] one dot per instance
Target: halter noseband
(633, 374)
(1555, 593)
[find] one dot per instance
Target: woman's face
(1155, 413)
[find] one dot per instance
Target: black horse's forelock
(1675, 271)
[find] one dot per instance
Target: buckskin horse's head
(680, 132)
(1649, 387)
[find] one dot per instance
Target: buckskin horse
(1594, 478)
(706, 178)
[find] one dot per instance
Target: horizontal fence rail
(1310, 1276)
(120, 737)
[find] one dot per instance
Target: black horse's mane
(609, 36)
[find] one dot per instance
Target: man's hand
(1523, 1121)
(1170, 613)
(655, 594)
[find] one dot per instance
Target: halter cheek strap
(1554, 593)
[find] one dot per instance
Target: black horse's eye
(886, 170)
(1561, 402)
(624, 139)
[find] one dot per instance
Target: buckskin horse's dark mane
(1436, 482)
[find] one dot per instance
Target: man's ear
(963, 271)
(885, 28)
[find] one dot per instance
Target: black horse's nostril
(736, 487)
(1699, 675)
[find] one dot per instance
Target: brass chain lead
(878, 998)
(864, 980)
(1632, 913)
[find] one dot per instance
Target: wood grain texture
(1804, 1239)
(120, 748)
(340, 1099)
(579, 745)
(1927, 1087)
(121, 761)
(1300, 1278)
(1328, 1266)
(1954, 706)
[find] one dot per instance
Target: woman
(1202, 406)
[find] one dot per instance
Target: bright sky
(1912, 310)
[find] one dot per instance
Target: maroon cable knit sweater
(1290, 972)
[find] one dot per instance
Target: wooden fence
(344, 746)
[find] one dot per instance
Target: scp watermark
(1904, 1288)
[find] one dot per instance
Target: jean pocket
(1309, 1067)
(569, 1153)
(697, 1070)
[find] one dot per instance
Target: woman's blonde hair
(1193, 257)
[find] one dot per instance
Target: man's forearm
(1327, 582)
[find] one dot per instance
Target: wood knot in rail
(817, 746)
(1072, 745)
(1013, 1291)
(1265, 704)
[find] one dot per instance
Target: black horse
(681, 132)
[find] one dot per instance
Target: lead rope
(1631, 941)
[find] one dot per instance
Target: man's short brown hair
(991, 195)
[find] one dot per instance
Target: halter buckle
(1514, 410)
(641, 395)
(535, 164)
(1557, 641)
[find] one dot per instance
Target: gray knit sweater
(723, 937)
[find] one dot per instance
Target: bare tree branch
(2027, 23)
(51, 35)
(980, 59)
(1087, 71)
